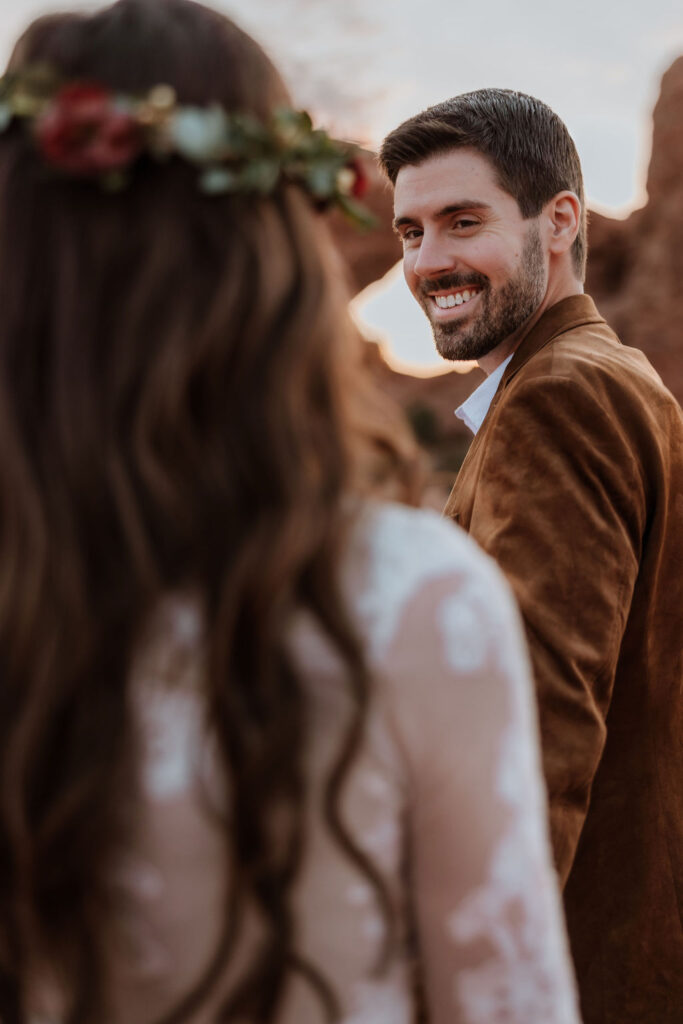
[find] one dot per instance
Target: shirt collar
(474, 409)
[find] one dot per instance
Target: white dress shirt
(473, 410)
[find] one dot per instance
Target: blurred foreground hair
(180, 409)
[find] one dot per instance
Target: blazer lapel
(575, 311)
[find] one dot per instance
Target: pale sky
(362, 66)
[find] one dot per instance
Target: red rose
(362, 183)
(82, 131)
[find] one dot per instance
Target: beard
(501, 312)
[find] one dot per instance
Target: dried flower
(83, 131)
(361, 183)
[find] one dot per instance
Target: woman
(258, 733)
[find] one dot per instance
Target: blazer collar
(575, 311)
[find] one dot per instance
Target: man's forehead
(458, 177)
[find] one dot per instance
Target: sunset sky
(362, 66)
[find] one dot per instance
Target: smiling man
(574, 483)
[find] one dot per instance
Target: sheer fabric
(446, 797)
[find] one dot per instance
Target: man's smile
(447, 304)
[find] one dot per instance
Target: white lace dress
(448, 778)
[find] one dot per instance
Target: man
(574, 483)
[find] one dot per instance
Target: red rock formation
(635, 267)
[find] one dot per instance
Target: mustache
(452, 281)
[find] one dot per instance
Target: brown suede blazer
(574, 484)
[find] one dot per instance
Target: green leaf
(219, 181)
(321, 178)
(260, 176)
(250, 130)
(357, 213)
(292, 127)
(198, 133)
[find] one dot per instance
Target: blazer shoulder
(591, 358)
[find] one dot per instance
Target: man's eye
(465, 223)
(411, 234)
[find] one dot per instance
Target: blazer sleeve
(560, 505)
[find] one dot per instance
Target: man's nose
(434, 257)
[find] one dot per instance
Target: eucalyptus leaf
(357, 212)
(260, 175)
(199, 134)
(252, 130)
(321, 178)
(292, 126)
(219, 181)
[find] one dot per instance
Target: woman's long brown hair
(173, 414)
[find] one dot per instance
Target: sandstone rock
(635, 266)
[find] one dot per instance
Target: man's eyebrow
(462, 204)
(398, 222)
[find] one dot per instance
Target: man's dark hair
(529, 146)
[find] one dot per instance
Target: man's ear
(563, 220)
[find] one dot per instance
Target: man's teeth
(457, 299)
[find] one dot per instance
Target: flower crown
(83, 129)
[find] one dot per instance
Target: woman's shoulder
(416, 541)
(398, 552)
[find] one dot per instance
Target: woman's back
(444, 797)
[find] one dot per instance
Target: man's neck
(492, 360)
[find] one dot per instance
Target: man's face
(477, 268)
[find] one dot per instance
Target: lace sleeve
(486, 899)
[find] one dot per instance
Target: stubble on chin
(465, 339)
(458, 344)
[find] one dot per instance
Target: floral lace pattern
(519, 980)
(512, 911)
(401, 559)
